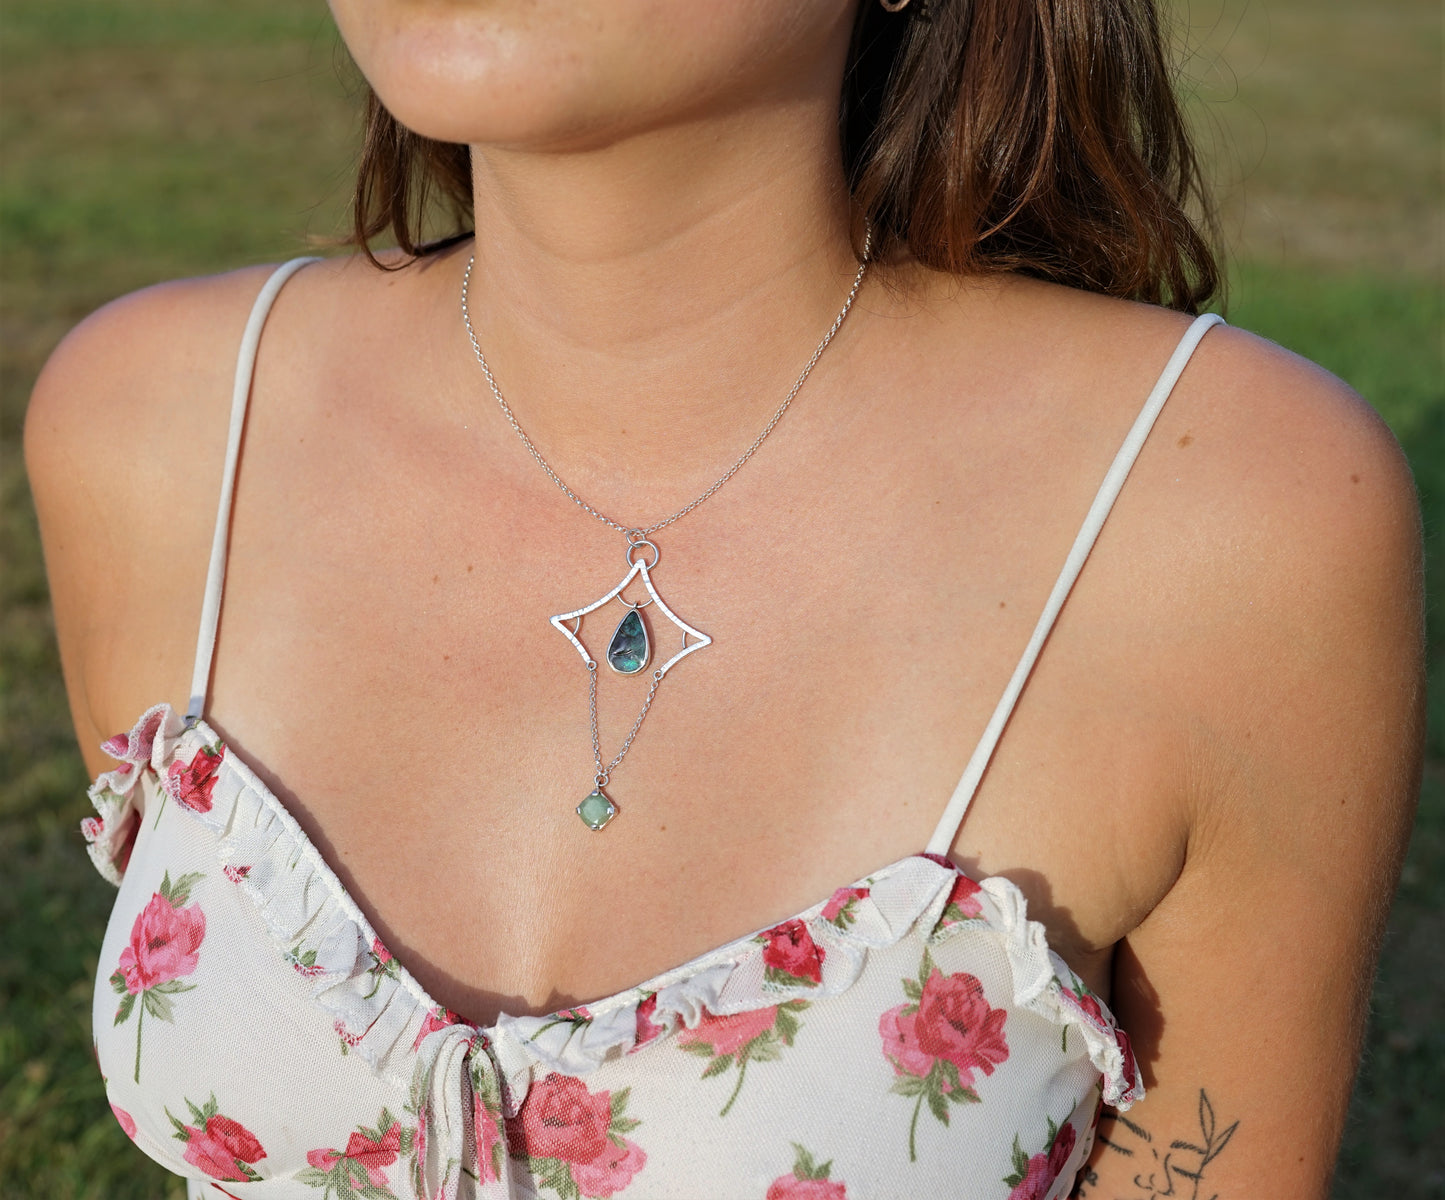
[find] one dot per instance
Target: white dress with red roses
(910, 1035)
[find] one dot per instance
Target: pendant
(596, 810)
(628, 653)
(630, 641)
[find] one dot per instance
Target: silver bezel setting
(638, 568)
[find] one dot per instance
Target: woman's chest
(432, 728)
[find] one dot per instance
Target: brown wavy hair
(1037, 136)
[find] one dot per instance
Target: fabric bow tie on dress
(460, 1128)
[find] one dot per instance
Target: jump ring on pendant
(631, 546)
(592, 664)
(600, 779)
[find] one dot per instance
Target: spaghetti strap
(216, 573)
(952, 819)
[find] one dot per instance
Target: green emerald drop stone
(596, 811)
(628, 651)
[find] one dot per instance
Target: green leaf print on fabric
(383, 966)
(360, 1169)
(937, 1041)
(573, 1141)
(734, 1041)
(165, 944)
(842, 906)
(303, 962)
(1033, 1177)
(221, 1147)
(809, 1180)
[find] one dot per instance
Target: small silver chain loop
(633, 531)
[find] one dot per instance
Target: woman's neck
(646, 304)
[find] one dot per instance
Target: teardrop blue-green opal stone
(628, 651)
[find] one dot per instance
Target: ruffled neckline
(382, 1013)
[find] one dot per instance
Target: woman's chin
(563, 77)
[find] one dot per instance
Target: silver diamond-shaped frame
(638, 568)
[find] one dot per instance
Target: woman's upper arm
(1246, 989)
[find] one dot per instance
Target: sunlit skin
(1204, 790)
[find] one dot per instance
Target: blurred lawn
(169, 137)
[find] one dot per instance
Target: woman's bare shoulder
(1255, 442)
(1278, 529)
(131, 377)
(124, 439)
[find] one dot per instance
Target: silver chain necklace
(630, 649)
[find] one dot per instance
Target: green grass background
(158, 138)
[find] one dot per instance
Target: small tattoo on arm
(1157, 1171)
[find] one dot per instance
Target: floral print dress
(910, 1035)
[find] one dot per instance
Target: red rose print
(840, 900)
(92, 827)
(373, 1155)
(235, 874)
(1037, 1180)
(790, 1187)
(963, 901)
(223, 1148)
(192, 783)
(956, 1024)
(728, 1035)
(383, 955)
(610, 1171)
(364, 1161)
(165, 942)
(790, 951)
(937, 1040)
(561, 1119)
(900, 1042)
(808, 1181)
(1061, 1149)
(647, 1028)
(126, 1123)
(489, 1136)
(573, 1139)
(437, 1018)
(1033, 1177)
